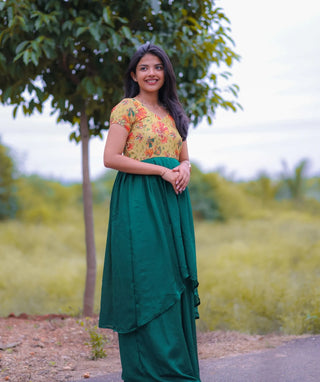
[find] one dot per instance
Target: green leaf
(15, 110)
(49, 48)
(72, 137)
(21, 46)
(26, 57)
(99, 91)
(94, 29)
(106, 15)
(123, 20)
(80, 31)
(34, 58)
(39, 107)
(229, 60)
(67, 25)
(38, 23)
(89, 86)
(127, 32)
(116, 40)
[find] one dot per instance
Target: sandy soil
(58, 348)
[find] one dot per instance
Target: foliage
(97, 340)
(294, 185)
(102, 187)
(313, 188)
(46, 201)
(215, 198)
(258, 272)
(203, 198)
(80, 50)
(263, 187)
(259, 276)
(8, 197)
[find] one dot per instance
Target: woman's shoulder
(125, 103)
(125, 113)
(131, 108)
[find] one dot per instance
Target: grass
(43, 265)
(257, 274)
(261, 276)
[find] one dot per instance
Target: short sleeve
(123, 114)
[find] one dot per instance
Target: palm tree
(295, 182)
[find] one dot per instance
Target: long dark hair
(168, 96)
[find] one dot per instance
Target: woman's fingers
(182, 180)
(179, 177)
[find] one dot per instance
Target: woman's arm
(183, 169)
(113, 158)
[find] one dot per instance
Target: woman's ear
(133, 76)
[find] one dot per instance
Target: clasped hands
(179, 176)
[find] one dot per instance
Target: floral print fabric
(149, 135)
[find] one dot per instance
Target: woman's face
(149, 74)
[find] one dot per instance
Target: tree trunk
(88, 300)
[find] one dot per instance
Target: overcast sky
(279, 81)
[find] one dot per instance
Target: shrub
(8, 196)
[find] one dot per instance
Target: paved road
(295, 361)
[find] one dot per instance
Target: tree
(8, 198)
(295, 183)
(75, 53)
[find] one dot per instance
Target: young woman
(149, 288)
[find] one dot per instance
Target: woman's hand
(183, 171)
(171, 176)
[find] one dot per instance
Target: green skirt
(149, 275)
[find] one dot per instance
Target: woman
(149, 288)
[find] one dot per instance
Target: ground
(58, 348)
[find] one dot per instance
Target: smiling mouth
(152, 81)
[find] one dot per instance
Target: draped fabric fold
(143, 278)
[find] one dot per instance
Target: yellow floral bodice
(149, 135)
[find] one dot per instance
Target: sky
(279, 80)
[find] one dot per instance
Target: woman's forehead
(149, 59)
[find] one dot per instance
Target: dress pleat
(164, 350)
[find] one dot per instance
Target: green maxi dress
(149, 287)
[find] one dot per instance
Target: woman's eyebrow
(148, 65)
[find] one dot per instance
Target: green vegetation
(258, 252)
(261, 275)
(8, 199)
(97, 340)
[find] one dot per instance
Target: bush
(8, 197)
(215, 198)
(45, 201)
(203, 199)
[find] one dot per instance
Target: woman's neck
(148, 99)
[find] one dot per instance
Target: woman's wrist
(187, 163)
(164, 171)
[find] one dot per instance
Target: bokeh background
(255, 190)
